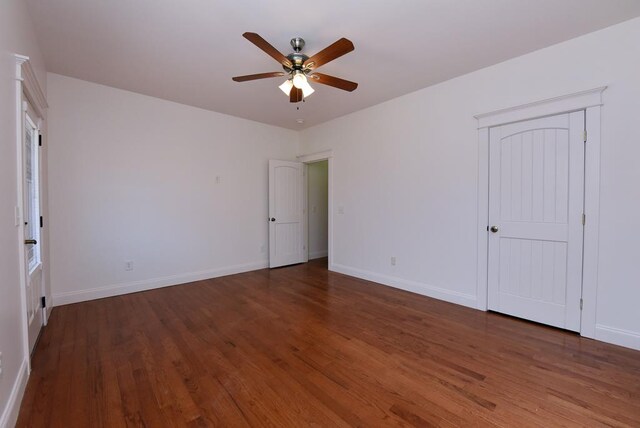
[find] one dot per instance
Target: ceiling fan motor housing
(297, 59)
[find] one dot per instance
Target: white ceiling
(188, 50)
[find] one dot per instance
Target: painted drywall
(406, 172)
(16, 37)
(318, 208)
(178, 191)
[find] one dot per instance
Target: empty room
(341, 213)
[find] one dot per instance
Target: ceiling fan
(299, 68)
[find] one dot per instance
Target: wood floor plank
(302, 346)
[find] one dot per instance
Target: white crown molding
(562, 104)
(30, 84)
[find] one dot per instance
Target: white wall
(318, 186)
(134, 178)
(16, 37)
(405, 174)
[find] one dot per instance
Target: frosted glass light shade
(286, 87)
(307, 89)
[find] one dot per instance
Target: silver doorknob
(494, 229)
(30, 242)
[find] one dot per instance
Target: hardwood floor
(302, 346)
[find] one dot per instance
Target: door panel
(31, 217)
(536, 203)
(285, 213)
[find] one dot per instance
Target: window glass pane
(32, 203)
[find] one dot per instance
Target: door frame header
(550, 106)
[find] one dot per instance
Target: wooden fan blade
(295, 96)
(267, 48)
(336, 50)
(336, 82)
(258, 76)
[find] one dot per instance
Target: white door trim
(311, 158)
(27, 86)
(305, 210)
(591, 102)
(551, 106)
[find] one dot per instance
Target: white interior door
(286, 208)
(31, 218)
(536, 192)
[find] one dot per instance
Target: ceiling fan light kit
(298, 67)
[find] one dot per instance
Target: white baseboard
(149, 284)
(617, 336)
(318, 254)
(413, 286)
(10, 413)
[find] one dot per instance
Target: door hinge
(584, 219)
(43, 301)
(584, 136)
(581, 302)
(41, 222)
(39, 140)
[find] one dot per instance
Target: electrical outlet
(128, 265)
(393, 261)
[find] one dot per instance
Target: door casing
(28, 89)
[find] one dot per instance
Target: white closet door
(536, 192)
(286, 205)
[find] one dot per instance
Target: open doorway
(287, 213)
(317, 209)
(292, 211)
